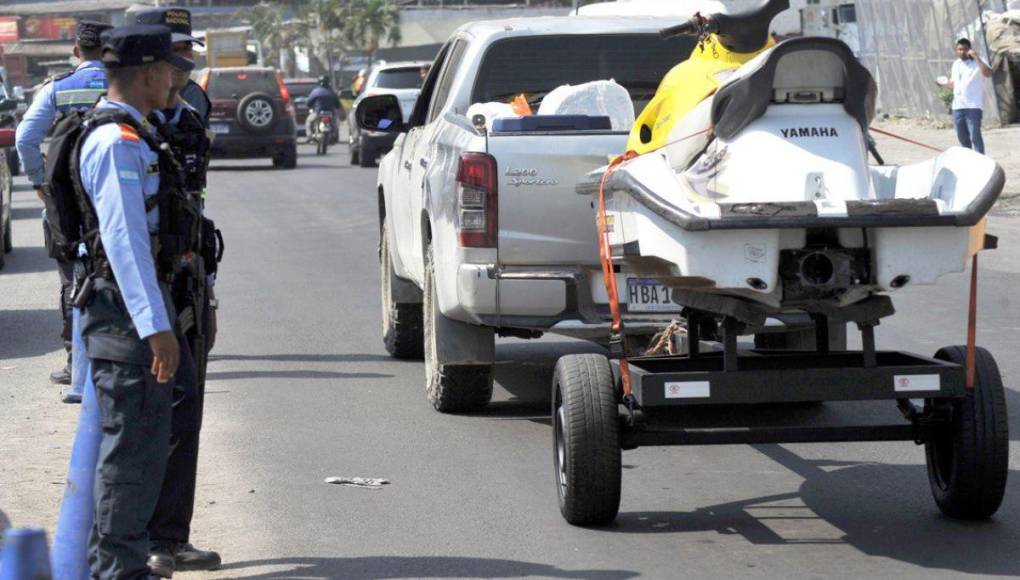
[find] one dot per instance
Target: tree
(275, 33)
(366, 23)
(327, 26)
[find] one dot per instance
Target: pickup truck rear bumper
(549, 299)
(569, 301)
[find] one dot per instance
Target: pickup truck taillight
(477, 201)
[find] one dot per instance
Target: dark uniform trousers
(66, 303)
(136, 420)
(171, 521)
(66, 270)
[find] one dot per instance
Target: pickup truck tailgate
(541, 219)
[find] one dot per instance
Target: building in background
(36, 38)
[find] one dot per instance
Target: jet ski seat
(800, 70)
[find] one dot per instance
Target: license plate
(220, 129)
(648, 295)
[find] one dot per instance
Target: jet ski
(748, 189)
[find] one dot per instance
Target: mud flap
(459, 343)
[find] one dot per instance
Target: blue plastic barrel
(25, 555)
(71, 541)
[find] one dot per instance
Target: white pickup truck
(481, 230)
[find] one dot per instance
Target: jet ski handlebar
(693, 27)
(743, 32)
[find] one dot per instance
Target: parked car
(9, 119)
(6, 190)
(401, 79)
(252, 114)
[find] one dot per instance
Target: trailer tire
(402, 323)
(969, 462)
(586, 440)
(449, 388)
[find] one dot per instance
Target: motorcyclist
(322, 99)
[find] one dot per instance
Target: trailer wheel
(586, 440)
(968, 463)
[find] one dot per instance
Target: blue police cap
(178, 20)
(140, 45)
(88, 35)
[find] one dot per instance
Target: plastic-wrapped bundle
(596, 99)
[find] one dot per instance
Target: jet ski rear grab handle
(780, 215)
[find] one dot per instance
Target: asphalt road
(300, 389)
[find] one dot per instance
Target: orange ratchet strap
(972, 327)
(971, 362)
(606, 258)
(609, 274)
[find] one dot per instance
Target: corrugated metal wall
(907, 44)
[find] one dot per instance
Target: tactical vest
(80, 88)
(179, 215)
(190, 144)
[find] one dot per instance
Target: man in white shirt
(967, 80)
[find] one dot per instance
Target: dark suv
(252, 115)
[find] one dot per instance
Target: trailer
(953, 404)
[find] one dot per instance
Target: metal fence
(907, 44)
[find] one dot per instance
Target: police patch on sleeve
(128, 177)
(128, 133)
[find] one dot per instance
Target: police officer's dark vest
(79, 89)
(190, 144)
(72, 217)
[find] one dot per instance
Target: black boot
(61, 377)
(161, 559)
(190, 558)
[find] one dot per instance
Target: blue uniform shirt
(80, 90)
(119, 172)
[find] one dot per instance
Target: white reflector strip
(831, 208)
(908, 383)
(688, 390)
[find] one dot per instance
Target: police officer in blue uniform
(179, 20)
(134, 189)
(78, 89)
(183, 129)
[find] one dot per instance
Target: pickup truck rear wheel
(402, 322)
(449, 388)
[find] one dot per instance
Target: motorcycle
(323, 130)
